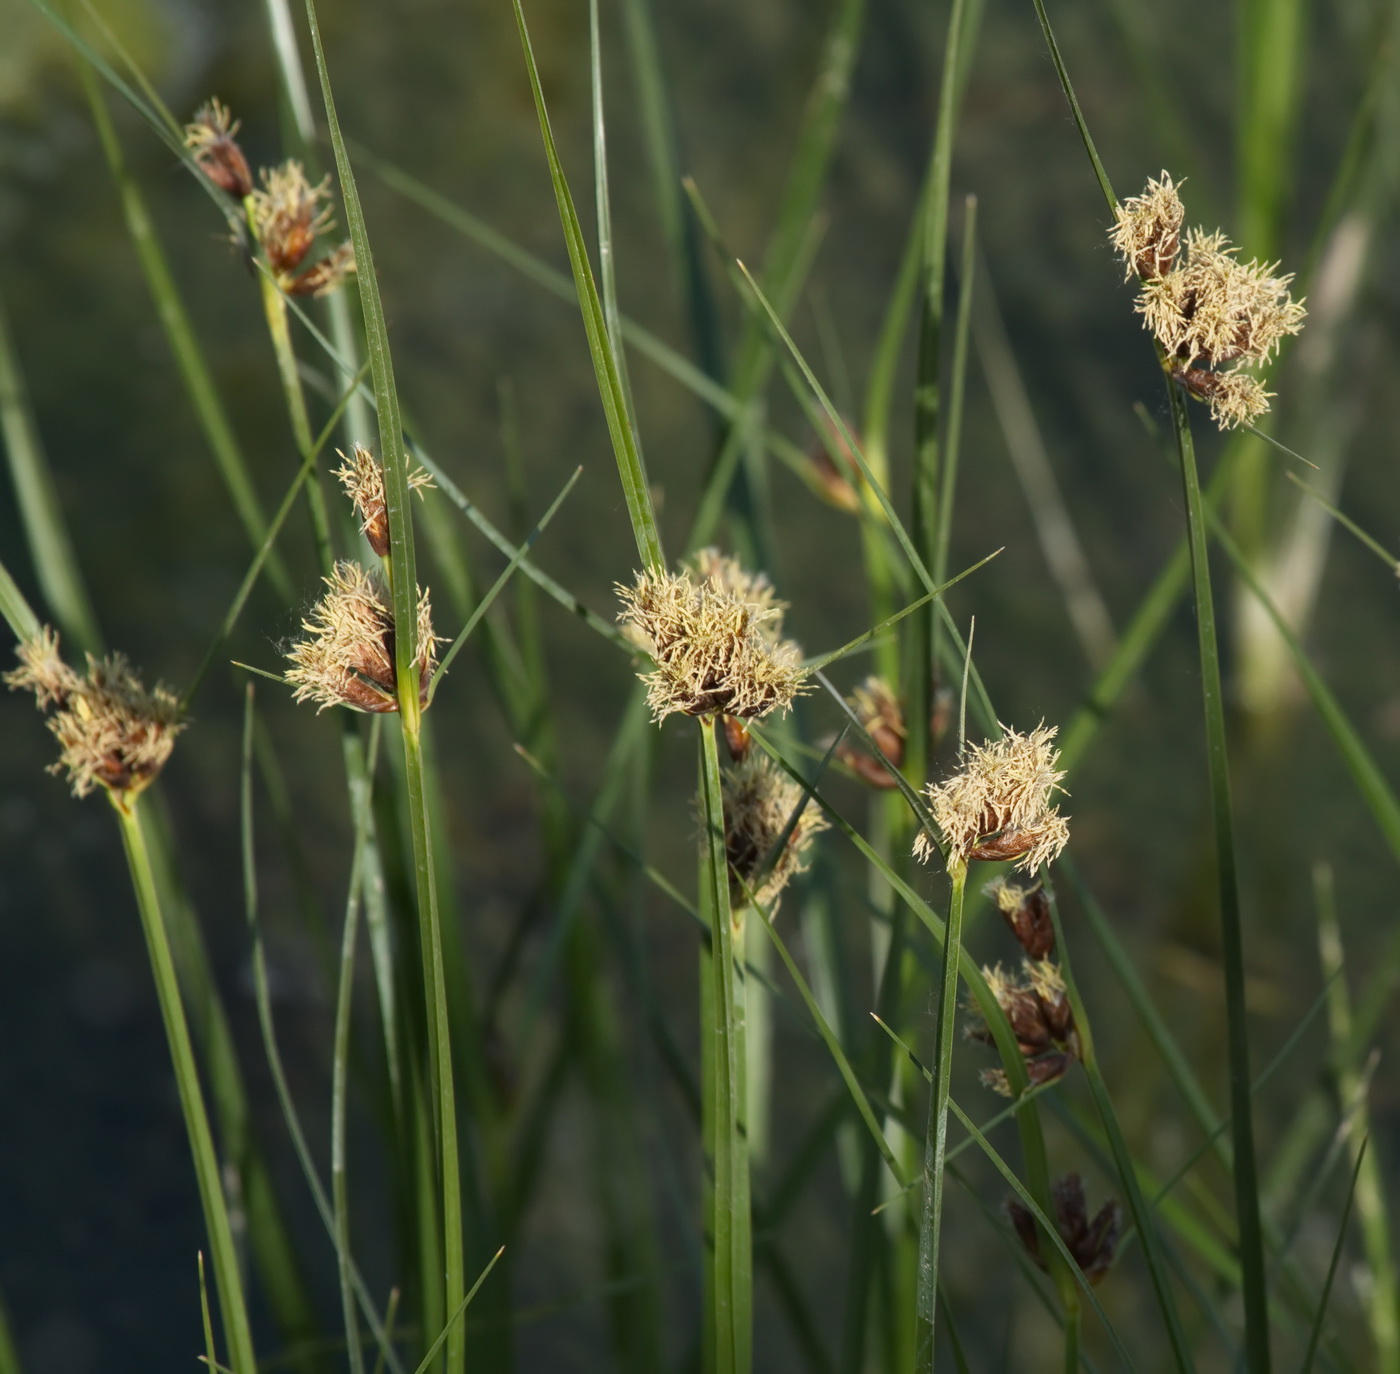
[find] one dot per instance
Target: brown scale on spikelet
(1092, 1243)
(288, 216)
(714, 638)
(759, 800)
(347, 657)
(1212, 312)
(362, 476)
(999, 805)
(114, 733)
(210, 138)
(1038, 1010)
(1026, 912)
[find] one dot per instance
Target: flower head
(1209, 313)
(1092, 1243)
(1038, 1010)
(713, 636)
(998, 806)
(1147, 230)
(347, 657)
(210, 138)
(759, 801)
(362, 476)
(288, 216)
(113, 732)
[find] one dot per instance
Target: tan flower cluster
(347, 657)
(999, 805)
(1212, 312)
(288, 216)
(211, 139)
(113, 732)
(715, 638)
(1092, 1243)
(1038, 1009)
(759, 801)
(881, 716)
(362, 476)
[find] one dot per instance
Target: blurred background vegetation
(99, 1219)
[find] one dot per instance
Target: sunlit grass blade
(611, 388)
(51, 550)
(456, 1317)
(1348, 524)
(15, 608)
(498, 586)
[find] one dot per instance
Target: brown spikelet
(289, 214)
(362, 476)
(210, 138)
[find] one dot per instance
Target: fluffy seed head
(712, 640)
(362, 476)
(289, 215)
(999, 805)
(1235, 397)
(347, 656)
(1147, 231)
(113, 733)
(759, 801)
(210, 139)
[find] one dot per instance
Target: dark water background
(99, 1218)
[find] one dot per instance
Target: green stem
(1071, 1333)
(439, 1040)
(206, 1163)
(936, 1140)
(1256, 1312)
(729, 1259)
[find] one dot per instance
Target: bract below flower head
(999, 805)
(114, 733)
(712, 645)
(347, 657)
(759, 801)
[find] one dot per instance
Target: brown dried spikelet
(759, 800)
(362, 476)
(347, 657)
(999, 805)
(881, 715)
(1038, 1010)
(288, 216)
(210, 138)
(114, 733)
(1026, 912)
(1092, 1243)
(1147, 230)
(712, 642)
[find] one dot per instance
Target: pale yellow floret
(999, 805)
(712, 647)
(347, 656)
(1147, 229)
